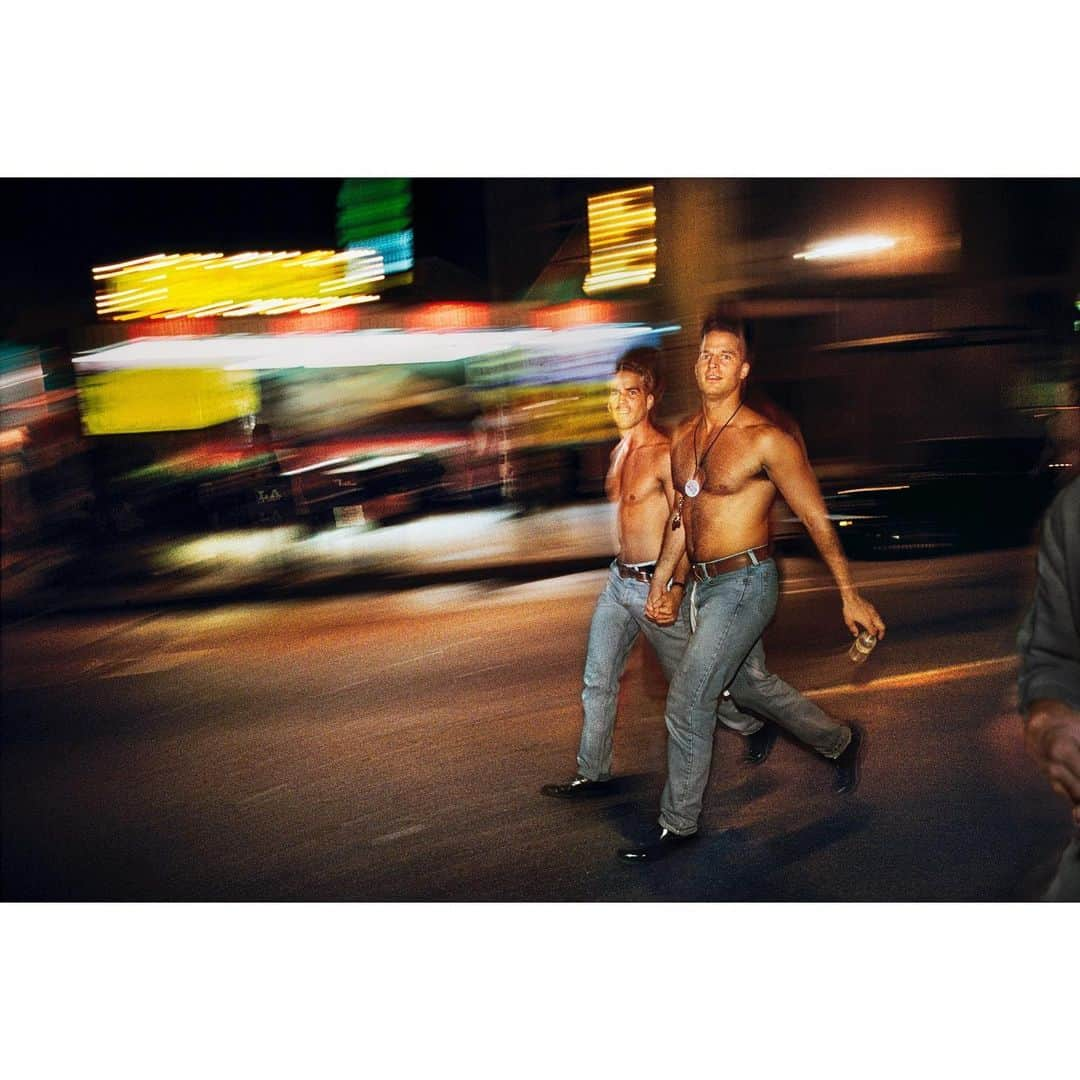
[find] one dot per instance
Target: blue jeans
(730, 614)
(616, 623)
(764, 694)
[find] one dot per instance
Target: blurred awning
(364, 348)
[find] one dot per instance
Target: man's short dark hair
(722, 324)
(643, 360)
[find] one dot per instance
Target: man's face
(720, 366)
(628, 401)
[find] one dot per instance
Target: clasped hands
(662, 606)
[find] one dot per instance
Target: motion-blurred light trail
(846, 247)
(928, 677)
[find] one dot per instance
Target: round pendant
(692, 487)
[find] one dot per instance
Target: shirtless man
(639, 482)
(728, 466)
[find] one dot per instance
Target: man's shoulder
(770, 442)
(752, 424)
(684, 429)
(658, 447)
(651, 455)
(764, 430)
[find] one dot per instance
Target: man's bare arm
(665, 609)
(682, 568)
(790, 471)
(672, 557)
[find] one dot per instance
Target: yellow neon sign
(251, 283)
(165, 399)
(622, 240)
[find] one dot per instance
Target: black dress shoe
(660, 848)
(578, 788)
(759, 744)
(848, 765)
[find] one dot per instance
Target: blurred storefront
(352, 415)
(43, 476)
(880, 312)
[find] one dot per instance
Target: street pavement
(390, 745)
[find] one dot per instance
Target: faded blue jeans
(616, 623)
(730, 614)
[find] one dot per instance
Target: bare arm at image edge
(1049, 640)
(1049, 643)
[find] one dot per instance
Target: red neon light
(319, 322)
(449, 317)
(574, 313)
(322, 322)
(142, 328)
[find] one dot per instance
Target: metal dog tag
(692, 487)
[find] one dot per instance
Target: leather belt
(702, 571)
(636, 571)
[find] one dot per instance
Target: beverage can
(862, 647)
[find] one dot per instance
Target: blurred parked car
(367, 488)
(322, 486)
(940, 495)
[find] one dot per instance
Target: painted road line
(920, 678)
(153, 663)
(884, 583)
(412, 830)
(259, 795)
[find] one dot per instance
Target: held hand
(667, 610)
(859, 612)
(1052, 736)
(661, 607)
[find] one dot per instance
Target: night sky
(56, 230)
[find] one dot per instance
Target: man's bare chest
(728, 468)
(633, 478)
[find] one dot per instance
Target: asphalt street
(391, 746)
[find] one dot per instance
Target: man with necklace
(639, 484)
(728, 466)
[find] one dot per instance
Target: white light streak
(18, 378)
(846, 247)
(374, 463)
(317, 465)
(361, 348)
